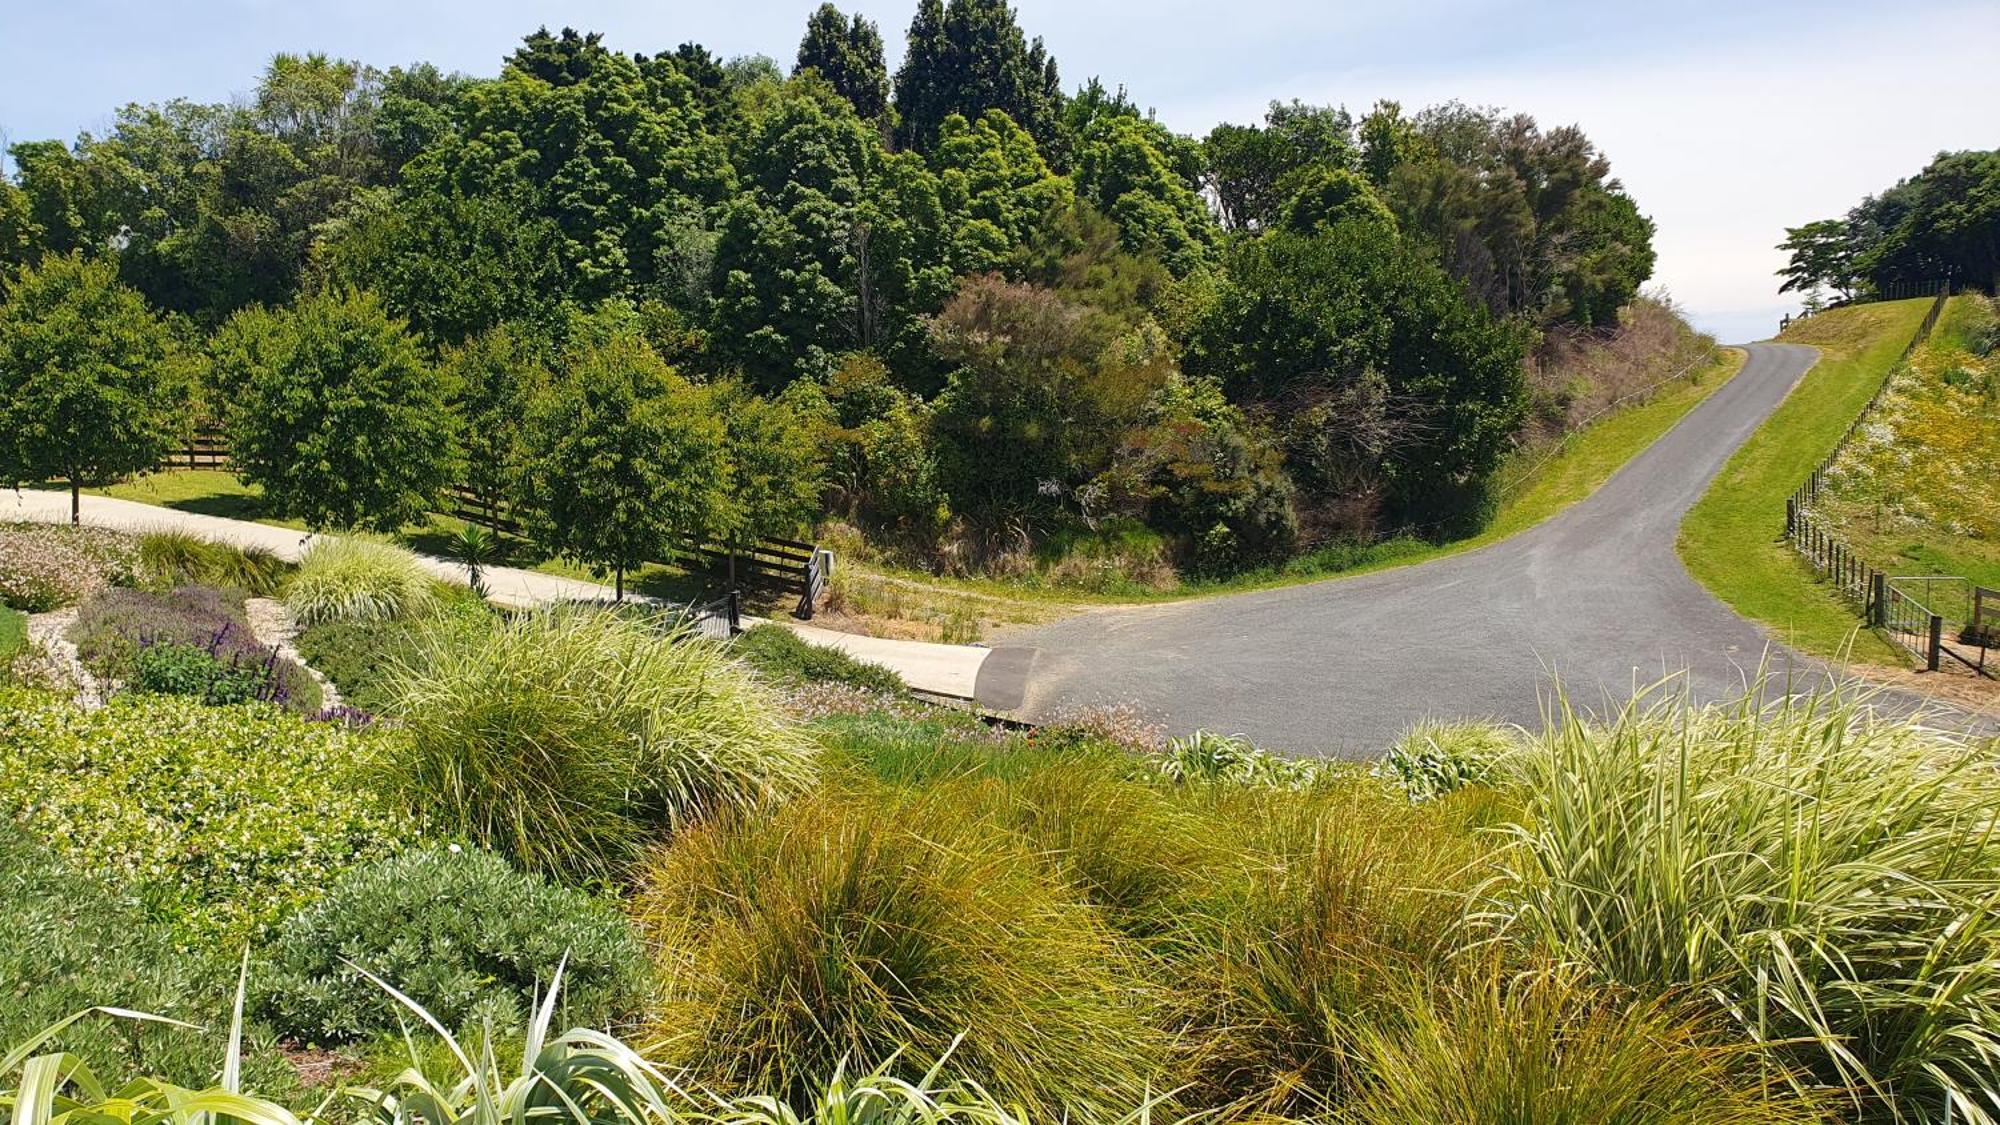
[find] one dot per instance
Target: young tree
(1042, 389)
(776, 464)
(91, 381)
(848, 54)
(492, 379)
(340, 419)
(627, 456)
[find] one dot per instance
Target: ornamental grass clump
(856, 928)
(176, 558)
(570, 738)
(1352, 895)
(1828, 878)
(1547, 1045)
(1433, 758)
(355, 578)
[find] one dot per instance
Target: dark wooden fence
(788, 566)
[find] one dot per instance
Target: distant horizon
(1725, 122)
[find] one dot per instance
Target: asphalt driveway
(1596, 595)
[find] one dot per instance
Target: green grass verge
(1732, 540)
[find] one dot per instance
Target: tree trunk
(75, 503)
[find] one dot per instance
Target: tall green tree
(1251, 169)
(1127, 166)
(848, 54)
(969, 56)
(836, 245)
(628, 457)
(1530, 220)
(1943, 223)
(1304, 320)
(996, 186)
(340, 418)
(92, 382)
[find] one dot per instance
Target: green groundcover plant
(219, 819)
(69, 942)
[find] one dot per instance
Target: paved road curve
(1596, 594)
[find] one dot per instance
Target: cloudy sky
(1728, 121)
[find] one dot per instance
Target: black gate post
(1878, 608)
(1937, 640)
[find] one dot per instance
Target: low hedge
(463, 933)
(781, 656)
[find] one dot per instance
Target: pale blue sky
(1727, 120)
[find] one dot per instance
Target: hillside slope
(1732, 540)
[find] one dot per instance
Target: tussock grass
(851, 927)
(1830, 880)
(178, 558)
(569, 738)
(1549, 1046)
(1140, 854)
(354, 578)
(1352, 893)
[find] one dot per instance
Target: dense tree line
(952, 302)
(1943, 224)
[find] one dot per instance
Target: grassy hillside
(1731, 540)
(1916, 493)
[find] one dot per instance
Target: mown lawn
(1732, 539)
(215, 492)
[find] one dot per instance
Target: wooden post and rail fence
(788, 566)
(1912, 610)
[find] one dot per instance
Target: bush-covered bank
(871, 593)
(1303, 328)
